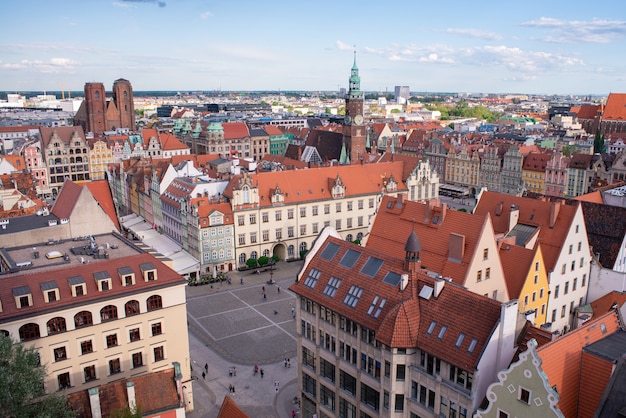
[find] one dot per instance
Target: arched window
(83, 319)
(242, 258)
(56, 325)
(253, 254)
(266, 252)
(303, 246)
(131, 308)
(4, 332)
(108, 313)
(359, 236)
(154, 302)
(245, 195)
(97, 94)
(291, 250)
(29, 332)
(349, 237)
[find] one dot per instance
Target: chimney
(439, 283)
(513, 216)
(404, 280)
(499, 208)
(94, 402)
(554, 212)
(400, 200)
(130, 390)
(456, 247)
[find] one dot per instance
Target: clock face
(358, 119)
(347, 119)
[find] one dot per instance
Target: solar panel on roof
(372, 266)
(392, 278)
(330, 251)
(349, 258)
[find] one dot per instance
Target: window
(114, 366)
(537, 266)
(487, 273)
(279, 233)
(580, 245)
(253, 218)
(56, 325)
(302, 229)
(137, 360)
(242, 239)
(290, 232)
(86, 347)
(60, 354)
(266, 235)
(524, 395)
(154, 302)
(566, 288)
(553, 315)
(108, 313)
(326, 209)
(159, 353)
(370, 203)
(156, 329)
(571, 248)
(584, 280)
(479, 275)
(29, 332)
(582, 262)
(289, 213)
(338, 207)
(556, 292)
(252, 237)
(314, 209)
(265, 217)
(83, 319)
(337, 224)
(563, 311)
(502, 414)
(64, 381)
(134, 335)
(563, 269)
(241, 221)
(574, 283)
(278, 215)
(303, 212)
(400, 372)
(111, 340)
(90, 373)
(131, 308)
(485, 253)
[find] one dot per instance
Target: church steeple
(354, 91)
(353, 123)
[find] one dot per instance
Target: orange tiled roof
(531, 212)
(388, 234)
(516, 262)
(605, 303)
(410, 162)
(615, 107)
(562, 359)
(588, 111)
(102, 193)
(593, 197)
(17, 161)
(230, 409)
(170, 143)
(313, 184)
(235, 130)
(536, 161)
(272, 130)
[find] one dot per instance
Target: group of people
(287, 362)
(257, 370)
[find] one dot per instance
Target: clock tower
(354, 131)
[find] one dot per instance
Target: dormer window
(148, 271)
(50, 291)
(78, 286)
(23, 297)
(103, 280)
(127, 276)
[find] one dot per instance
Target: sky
(479, 46)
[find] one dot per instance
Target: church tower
(353, 129)
(123, 98)
(95, 103)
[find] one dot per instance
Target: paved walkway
(232, 327)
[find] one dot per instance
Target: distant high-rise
(99, 114)
(402, 94)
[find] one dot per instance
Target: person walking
(262, 373)
(203, 375)
(206, 367)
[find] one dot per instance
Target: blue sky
(544, 47)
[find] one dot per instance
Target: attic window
(312, 278)
(330, 251)
(459, 340)
(50, 291)
(149, 272)
(435, 219)
(103, 280)
(23, 297)
(77, 283)
(442, 332)
(349, 258)
(431, 327)
(389, 204)
(472, 345)
(332, 286)
(377, 306)
(127, 276)
(372, 266)
(353, 296)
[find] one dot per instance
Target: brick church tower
(354, 132)
(99, 114)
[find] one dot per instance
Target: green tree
(275, 258)
(303, 253)
(395, 111)
(251, 262)
(21, 384)
(263, 260)
(569, 150)
(599, 145)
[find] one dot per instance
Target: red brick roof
(154, 392)
(516, 262)
(272, 130)
(405, 318)
(588, 111)
(537, 161)
(615, 107)
(562, 359)
(531, 212)
(170, 143)
(102, 193)
(388, 234)
(66, 200)
(235, 130)
(605, 303)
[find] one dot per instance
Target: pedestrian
(293, 414)
(261, 373)
(206, 367)
(285, 363)
(293, 311)
(203, 375)
(256, 369)
(234, 371)
(241, 280)
(230, 388)
(263, 289)
(264, 297)
(278, 289)
(233, 388)
(288, 363)
(230, 371)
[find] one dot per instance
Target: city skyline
(243, 45)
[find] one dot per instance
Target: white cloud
(572, 31)
(54, 65)
(122, 5)
(344, 47)
(475, 33)
(206, 15)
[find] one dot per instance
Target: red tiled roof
(410, 162)
(388, 234)
(272, 130)
(588, 111)
(235, 130)
(64, 133)
(405, 318)
(102, 193)
(170, 143)
(66, 200)
(230, 409)
(562, 358)
(536, 161)
(615, 107)
(531, 212)
(606, 302)
(593, 197)
(154, 392)
(516, 262)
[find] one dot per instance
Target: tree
(251, 262)
(263, 260)
(21, 384)
(275, 258)
(569, 150)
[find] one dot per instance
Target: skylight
(392, 278)
(332, 286)
(349, 258)
(330, 251)
(442, 332)
(353, 296)
(459, 340)
(431, 328)
(372, 266)
(376, 307)
(472, 345)
(312, 278)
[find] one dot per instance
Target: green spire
(355, 81)
(343, 157)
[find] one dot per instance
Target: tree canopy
(463, 110)
(21, 384)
